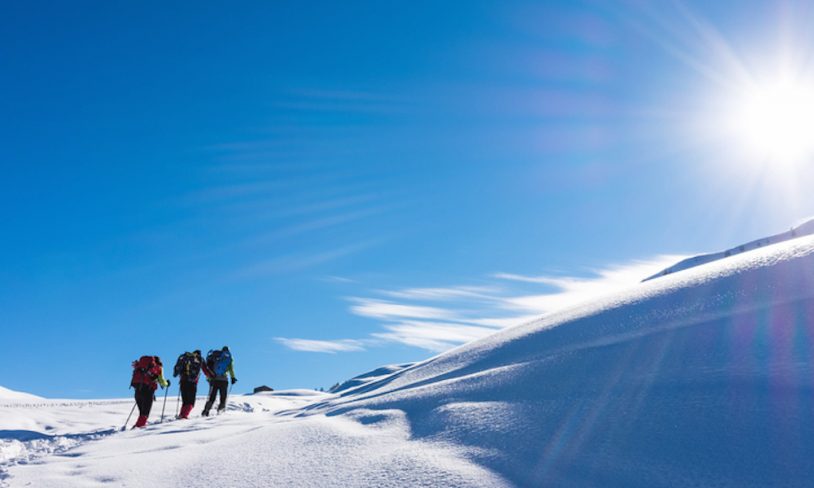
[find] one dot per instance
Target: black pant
(188, 391)
(144, 399)
(217, 386)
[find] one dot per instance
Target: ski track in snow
(703, 377)
(249, 445)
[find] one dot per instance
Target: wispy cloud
(234, 191)
(331, 347)
(438, 318)
(434, 336)
(297, 262)
(570, 291)
(523, 278)
(338, 279)
(313, 225)
(380, 309)
(503, 322)
(441, 294)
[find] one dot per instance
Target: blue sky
(334, 186)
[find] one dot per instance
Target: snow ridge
(369, 377)
(803, 229)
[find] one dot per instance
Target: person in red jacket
(148, 373)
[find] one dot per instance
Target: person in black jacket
(188, 367)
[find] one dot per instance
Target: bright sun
(775, 121)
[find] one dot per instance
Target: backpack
(188, 367)
(218, 361)
(146, 371)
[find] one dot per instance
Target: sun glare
(775, 121)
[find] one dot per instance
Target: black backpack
(188, 367)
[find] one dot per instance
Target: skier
(148, 373)
(218, 362)
(188, 367)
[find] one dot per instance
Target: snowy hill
(803, 229)
(704, 377)
(699, 378)
(6, 394)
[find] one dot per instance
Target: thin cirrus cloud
(297, 262)
(570, 291)
(381, 309)
(461, 314)
(441, 294)
(332, 347)
(306, 226)
(262, 214)
(433, 336)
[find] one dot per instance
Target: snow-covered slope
(703, 378)
(369, 377)
(6, 394)
(803, 229)
(700, 378)
(257, 442)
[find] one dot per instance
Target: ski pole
(166, 390)
(124, 427)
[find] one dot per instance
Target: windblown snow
(702, 377)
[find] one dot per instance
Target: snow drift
(702, 377)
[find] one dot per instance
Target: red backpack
(146, 371)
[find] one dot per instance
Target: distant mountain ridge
(803, 229)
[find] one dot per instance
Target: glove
(234, 380)
(168, 383)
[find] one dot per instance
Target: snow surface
(256, 442)
(369, 377)
(803, 229)
(6, 394)
(699, 378)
